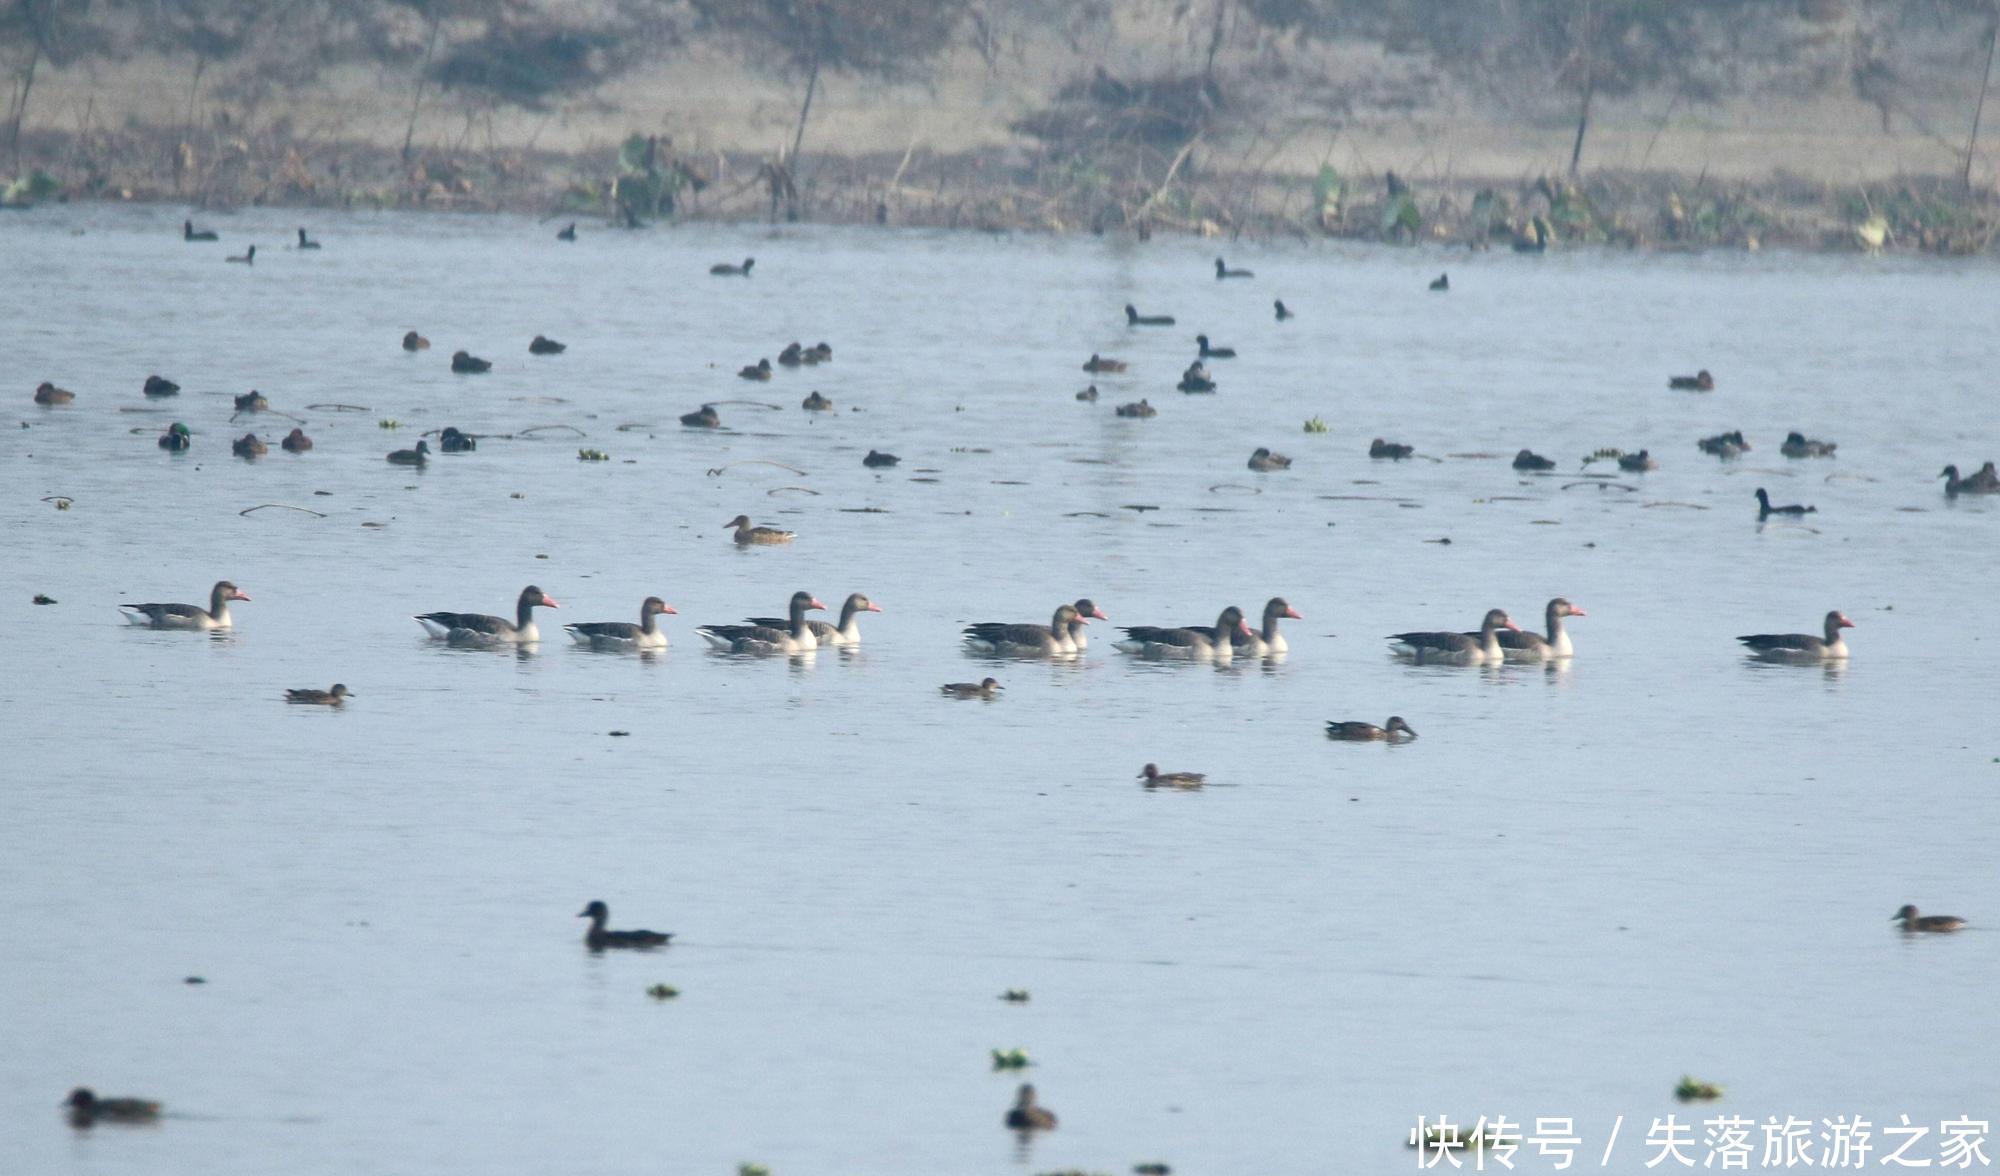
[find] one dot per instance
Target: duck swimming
(1701, 381)
(47, 393)
(158, 386)
(761, 370)
(1223, 271)
(176, 438)
(1155, 778)
(597, 938)
(188, 616)
(415, 342)
(467, 364)
(249, 445)
(1196, 379)
(411, 457)
(333, 697)
(86, 1109)
(747, 535)
(984, 688)
(724, 270)
(296, 441)
(1391, 731)
(1264, 461)
(189, 233)
(1134, 319)
(704, 418)
(1765, 510)
(877, 460)
(306, 242)
(1529, 460)
(453, 441)
(1388, 450)
(543, 345)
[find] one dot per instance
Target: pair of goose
(1064, 634)
(1499, 639)
(795, 633)
(1229, 637)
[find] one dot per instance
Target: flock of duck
(1496, 640)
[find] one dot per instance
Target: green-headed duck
(176, 438)
(597, 938)
(1802, 647)
(624, 635)
(1392, 731)
(1155, 778)
(335, 696)
(793, 636)
(747, 535)
(1457, 649)
(484, 629)
(187, 616)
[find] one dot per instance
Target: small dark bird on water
(47, 393)
(1208, 352)
(761, 370)
(1389, 450)
(249, 445)
(543, 345)
(1196, 379)
(985, 688)
(1912, 921)
(188, 233)
(467, 364)
(1283, 313)
(296, 441)
(176, 438)
(1134, 319)
(704, 418)
(1222, 271)
(1528, 459)
(1088, 394)
(877, 460)
(249, 256)
(568, 232)
(725, 270)
(1701, 381)
(157, 386)
(1765, 510)
(414, 457)
(415, 342)
(1155, 778)
(453, 441)
(1027, 1115)
(1097, 364)
(333, 697)
(1138, 409)
(252, 401)
(597, 938)
(86, 1109)
(1264, 461)
(1441, 282)
(306, 242)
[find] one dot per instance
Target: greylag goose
(1802, 647)
(1765, 510)
(482, 629)
(1086, 612)
(453, 441)
(1517, 645)
(1283, 312)
(188, 616)
(467, 364)
(877, 460)
(333, 697)
(1099, 363)
(1264, 461)
(158, 386)
(1155, 778)
(543, 345)
(1027, 1115)
(761, 370)
(1025, 640)
(1797, 445)
(296, 441)
(747, 535)
(249, 445)
(1267, 641)
(795, 636)
(190, 233)
(1986, 481)
(1441, 282)
(703, 418)
(1222, 271)
(1201, 643)
(47, 393)
(984, 688)
(415, 342)
(1392, 731)
(847, 632)
(1724, 445)
(1912, 921)
(597, 938)
(1458, 649)
(176, 438)
(624, 635)
(412, 457)
(1701, 381)
(1209, 352)
(1139, 409)
(723, 269)
(1531, 462)
(86, 1109)
(1637, 463)
(1134, 319)
(306, 242)
(1389, 450)
(1196, 379)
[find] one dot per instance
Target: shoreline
(1132, 190)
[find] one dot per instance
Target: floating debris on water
(592, 455)
(1316, 425)
(663, 992)
(1692, 1090)
(1011, 1059)
(1015, 996)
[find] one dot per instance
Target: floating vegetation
(1691, 1090)
(1606, 454)
(1316, 425)
(1011, 1059)
(752, 1170)
(388, 423)
(41, 599)
(62, 501)
(1011, 996)
(592, 455)
(663, 992)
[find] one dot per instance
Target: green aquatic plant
(752, 1170)
(592, 455)
(1316, 425)
(1609, 453)
(1015, 996)
(1691, 1090)
(659, 991)
(388, 423)
(1011, 1059)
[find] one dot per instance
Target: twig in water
(719, 470)
(776, 490)
(281, 506)
(339, 407)
(539, 428)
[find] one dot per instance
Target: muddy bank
(1135, 190)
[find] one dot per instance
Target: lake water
(1576, 886)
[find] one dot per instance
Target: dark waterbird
(188, 233)
(1394, 730)
(1139, 409)
(296, 441)
(47, 393)
(1264, 461)
(597, 938)
(814, 402)
(1134, 319)
(411, 457)
(415, 342)
(1701, 381)
(1279, 306)
(1798, 445)
(332, 697)
(252, 401)
(1388, 450)
(1441, 282)
(306, 242)
(1765, 510)
(176, 438)
(1155, 778)
(1223, 271)
(567, 232)
(724, 270)
(159, 386)
(467, 364)
(543, 345)
(1027, 1114)
(1196, 379)
(1986, 481)
(1529, 460)
(761, 370)
(1208, 352)
(703, 418)
(248, 256)
(1724, 445)
(984, 688)
(249, 445)
(1912, 921)
(453, 441)
(1100, 363)
(747, 535)
(877, 460)
(86, 1109)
